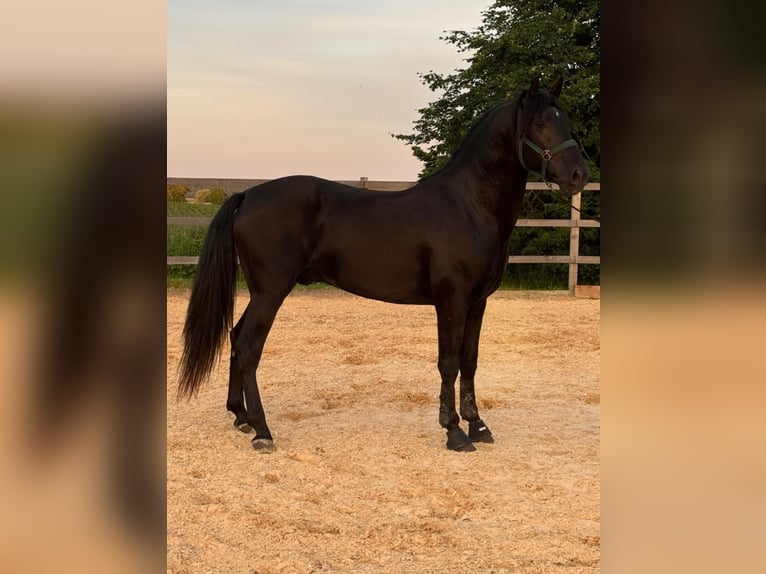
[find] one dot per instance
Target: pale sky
(263, 89)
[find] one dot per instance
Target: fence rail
(574, 259)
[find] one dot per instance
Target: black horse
(442, 242)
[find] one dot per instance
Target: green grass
(184, 209)
(536, 277)
(185, 240)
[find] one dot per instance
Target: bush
(200, 196)
(177, 192)
(216, 196)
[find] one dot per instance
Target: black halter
(545, 154)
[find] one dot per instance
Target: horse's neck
(502, 199)
(485, 172)
(494, 188)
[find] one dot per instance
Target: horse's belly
(385, 277)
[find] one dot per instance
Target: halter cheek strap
(545, 154)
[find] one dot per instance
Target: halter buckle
(547, 154)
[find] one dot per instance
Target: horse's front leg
(451, 322)
(469, 354)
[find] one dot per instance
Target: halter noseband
(545, 154)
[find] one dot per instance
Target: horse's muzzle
(579, 178)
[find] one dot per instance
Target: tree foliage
(517, 41)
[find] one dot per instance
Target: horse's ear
(556, 89)
(533, 89)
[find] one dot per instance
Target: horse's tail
(211, 306)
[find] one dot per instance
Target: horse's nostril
(579, 176)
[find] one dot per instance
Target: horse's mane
(535, 104)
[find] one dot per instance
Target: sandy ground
(361, 480)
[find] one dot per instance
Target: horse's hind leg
(248, 349)
(469, 353)
(235, 402)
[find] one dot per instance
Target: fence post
(574, 242)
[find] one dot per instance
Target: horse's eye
(539, 123)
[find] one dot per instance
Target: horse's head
(545, 144)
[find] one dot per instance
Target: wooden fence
(575, 223)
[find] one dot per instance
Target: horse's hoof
(263, 445)
(457, 440)
(479, 432)
(243, 426)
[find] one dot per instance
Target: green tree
(517, 41)
(520, 40)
